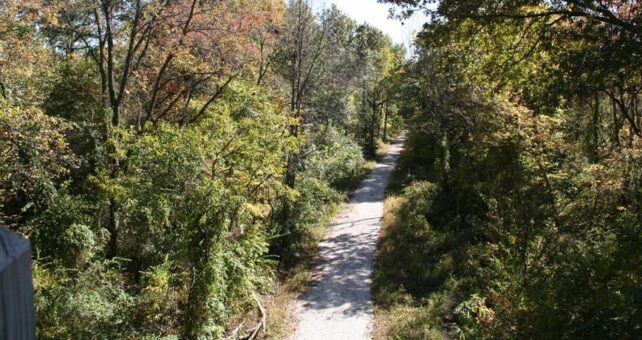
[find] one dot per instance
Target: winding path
(338, 305)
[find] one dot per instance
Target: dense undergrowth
(171, 160)
(518, 207)
(491, 239)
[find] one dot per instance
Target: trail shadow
(373, 188)
(342, 275)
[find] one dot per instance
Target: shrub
(335, 159)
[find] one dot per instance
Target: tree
(144, 147)
(301, 46)
(512, 131)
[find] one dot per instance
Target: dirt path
(338, 305)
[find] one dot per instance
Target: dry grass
(405, 322)
(390, 219)
(281, 317)
(281, 321)
(396, 313)
(382, 149)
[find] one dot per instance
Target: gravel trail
(338, 305)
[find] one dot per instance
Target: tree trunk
(595, 130)
(385, 121)
(199, 291)
(616, 124)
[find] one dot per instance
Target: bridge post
(17, 312)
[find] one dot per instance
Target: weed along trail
(338, 305)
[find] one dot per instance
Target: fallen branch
(254, 332)
(234, 335)
(262, 324)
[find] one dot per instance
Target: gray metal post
(17, 312)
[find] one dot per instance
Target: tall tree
(303, 42)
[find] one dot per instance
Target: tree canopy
(520, 215)
(170, 160)
(167, 158)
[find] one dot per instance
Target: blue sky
(376, 14)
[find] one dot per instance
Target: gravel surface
(338, 305)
